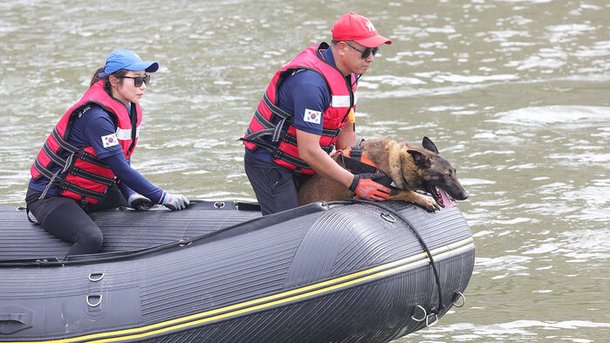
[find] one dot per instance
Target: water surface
(514, 92)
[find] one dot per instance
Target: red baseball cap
(352, 26)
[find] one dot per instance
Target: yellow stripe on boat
(266, 302)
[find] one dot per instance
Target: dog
(412, 170)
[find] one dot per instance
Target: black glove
(139, 202)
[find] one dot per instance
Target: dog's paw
(425, 201)
(428, 203)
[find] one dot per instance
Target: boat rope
(423, 244)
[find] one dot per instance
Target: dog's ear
(421, 160)
(429, 145)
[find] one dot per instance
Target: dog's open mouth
(441, 197)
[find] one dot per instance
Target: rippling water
(514, 92)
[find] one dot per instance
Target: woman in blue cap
(84, 165)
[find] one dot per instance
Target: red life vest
(280, 139)
(83, 176)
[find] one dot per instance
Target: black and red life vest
(82, 176)
(272, 128)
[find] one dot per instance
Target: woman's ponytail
(95, 78)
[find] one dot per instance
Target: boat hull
(339, 272)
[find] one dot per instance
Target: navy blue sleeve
(127, 192)
(306, 95)
(94, 127)
(90, 128)
(133, 180)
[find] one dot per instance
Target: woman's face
(124, 88)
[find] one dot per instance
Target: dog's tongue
(446, 199)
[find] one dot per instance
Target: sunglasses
(366, 52)
(138, 80)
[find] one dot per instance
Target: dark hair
(95, 78)
(118, 74)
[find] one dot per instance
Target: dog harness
(79, 173)
(272, 128)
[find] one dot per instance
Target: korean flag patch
(110, 140)
(312, 116)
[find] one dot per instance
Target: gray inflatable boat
(219, 272)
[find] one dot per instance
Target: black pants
(65, 219)
(275, 186)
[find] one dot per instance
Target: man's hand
(365, 187)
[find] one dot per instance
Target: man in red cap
(306, 112)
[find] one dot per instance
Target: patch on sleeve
(110, 140)
(312, 116)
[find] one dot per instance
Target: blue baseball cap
(125, 59)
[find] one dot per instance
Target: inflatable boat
(220, 272)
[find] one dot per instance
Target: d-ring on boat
(219, 272)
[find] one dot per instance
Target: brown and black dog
(411, 169)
